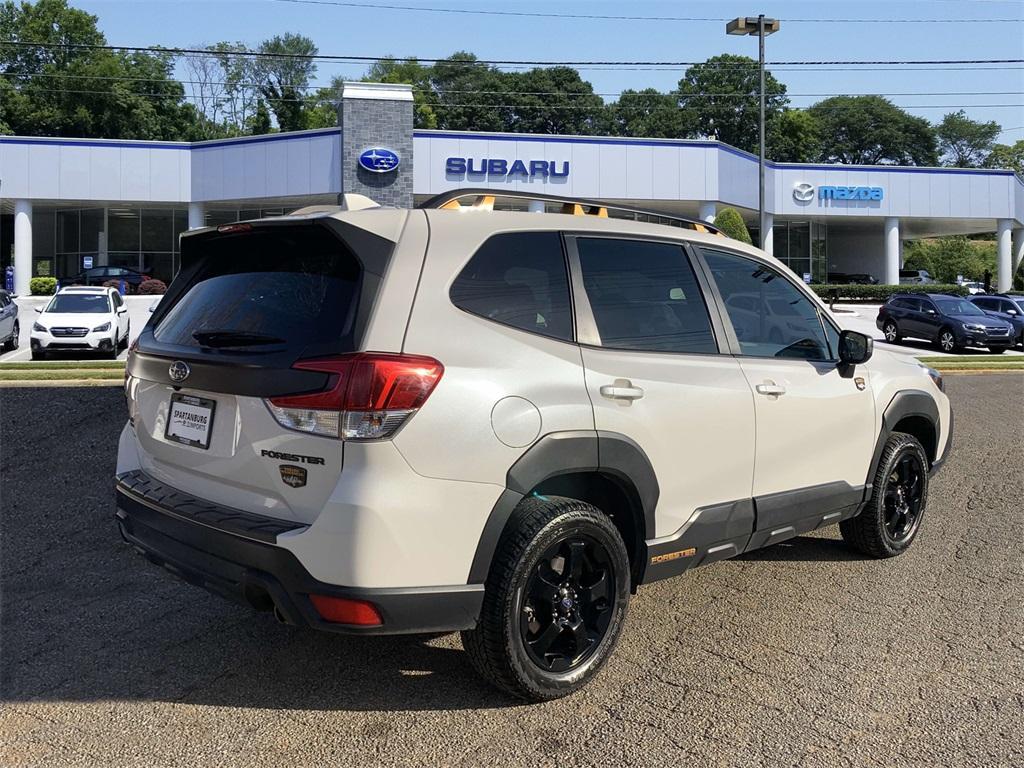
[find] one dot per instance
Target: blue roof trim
(109, 144)
(269, 137)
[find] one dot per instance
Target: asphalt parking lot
(802, 654)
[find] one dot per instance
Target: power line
(606, 17)
(353, 58)
(253, 85)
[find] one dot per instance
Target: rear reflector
(367, 396)
(341, 610)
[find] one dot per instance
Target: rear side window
(644, 296)
(295, 285)
(518, 279)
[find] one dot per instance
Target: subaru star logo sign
(803, 192)
(379, 160)
(179, 370)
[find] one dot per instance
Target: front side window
(770, 316)
(953, 306)
(518, 279)
(644, 296)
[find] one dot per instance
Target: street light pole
(762, 27)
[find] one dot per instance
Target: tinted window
(985, 303)
(518, 279)
(771, 317)
(86, 303)
(644, 296)
(957, 307)
(282, 284)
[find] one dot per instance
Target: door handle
(771, 389)
(621, 389)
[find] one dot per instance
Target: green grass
(63, 365)
(72, 374)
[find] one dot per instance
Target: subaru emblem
(379, 159)
(179, 371)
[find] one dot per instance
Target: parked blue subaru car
(950, 322)
(1010, 309)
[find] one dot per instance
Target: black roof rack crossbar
(484, 198)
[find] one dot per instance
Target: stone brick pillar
(377, 115)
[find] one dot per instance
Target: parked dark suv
(100, 275)
(1009, 309)
(951, 322)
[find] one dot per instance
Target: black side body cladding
(562, 453)
(908, 403)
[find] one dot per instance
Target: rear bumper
(234, 554)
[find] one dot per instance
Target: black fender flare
(906, 402)
(562, 453)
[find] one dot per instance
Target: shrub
(152, 287)
(42, 286)
(881, 293)
(731, 223)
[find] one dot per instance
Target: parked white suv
(81, 319)
(398, 421)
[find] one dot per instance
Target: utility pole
(762, 27)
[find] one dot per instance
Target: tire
(946, 341)
(38, 354)
(127, 333)
(886, 528)
(11, 343)
(516, 646)
(997, 350)
(891, 332)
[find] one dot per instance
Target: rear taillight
(368, 395)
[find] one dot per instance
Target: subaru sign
(379, 160)
(804, 193)
(468, 166)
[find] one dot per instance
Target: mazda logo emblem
(803, 192)
(179, 371)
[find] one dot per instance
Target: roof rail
(483, 200)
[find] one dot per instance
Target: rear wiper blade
(216, 338)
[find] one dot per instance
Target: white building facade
(69, 203)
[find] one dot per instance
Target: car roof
(85, 289)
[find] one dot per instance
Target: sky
(985, 94)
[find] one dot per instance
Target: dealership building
(66, 204)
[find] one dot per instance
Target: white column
(1016, 251)
(892, 251)
(22, 246)
(768, 236)
(536, 206)
(1004, 273)
(707, 212)
(196, 215)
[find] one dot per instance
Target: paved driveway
(802, 654)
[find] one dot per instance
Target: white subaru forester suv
(371, 420)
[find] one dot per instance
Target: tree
(720, 100)
(965, 143)
(553, 100)
(1007, 156)
(283, 71)
(391, 70)
(240, 73)
(732, 225)
(648, 113)
(872, 130)
(259, 123)
(470, 96)
(85, 91)
(794, 136)
(946, 258)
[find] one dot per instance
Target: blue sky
(374, 32)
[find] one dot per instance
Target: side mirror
(855, 348)
(39, 310)
(1012, 312)
(122, 310)
(930, 311)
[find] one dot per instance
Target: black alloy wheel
(891, 519)
(904, 497)
(567, 603)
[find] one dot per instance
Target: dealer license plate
(190, 420)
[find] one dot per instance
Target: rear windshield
(267, 287)
(80, 303)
